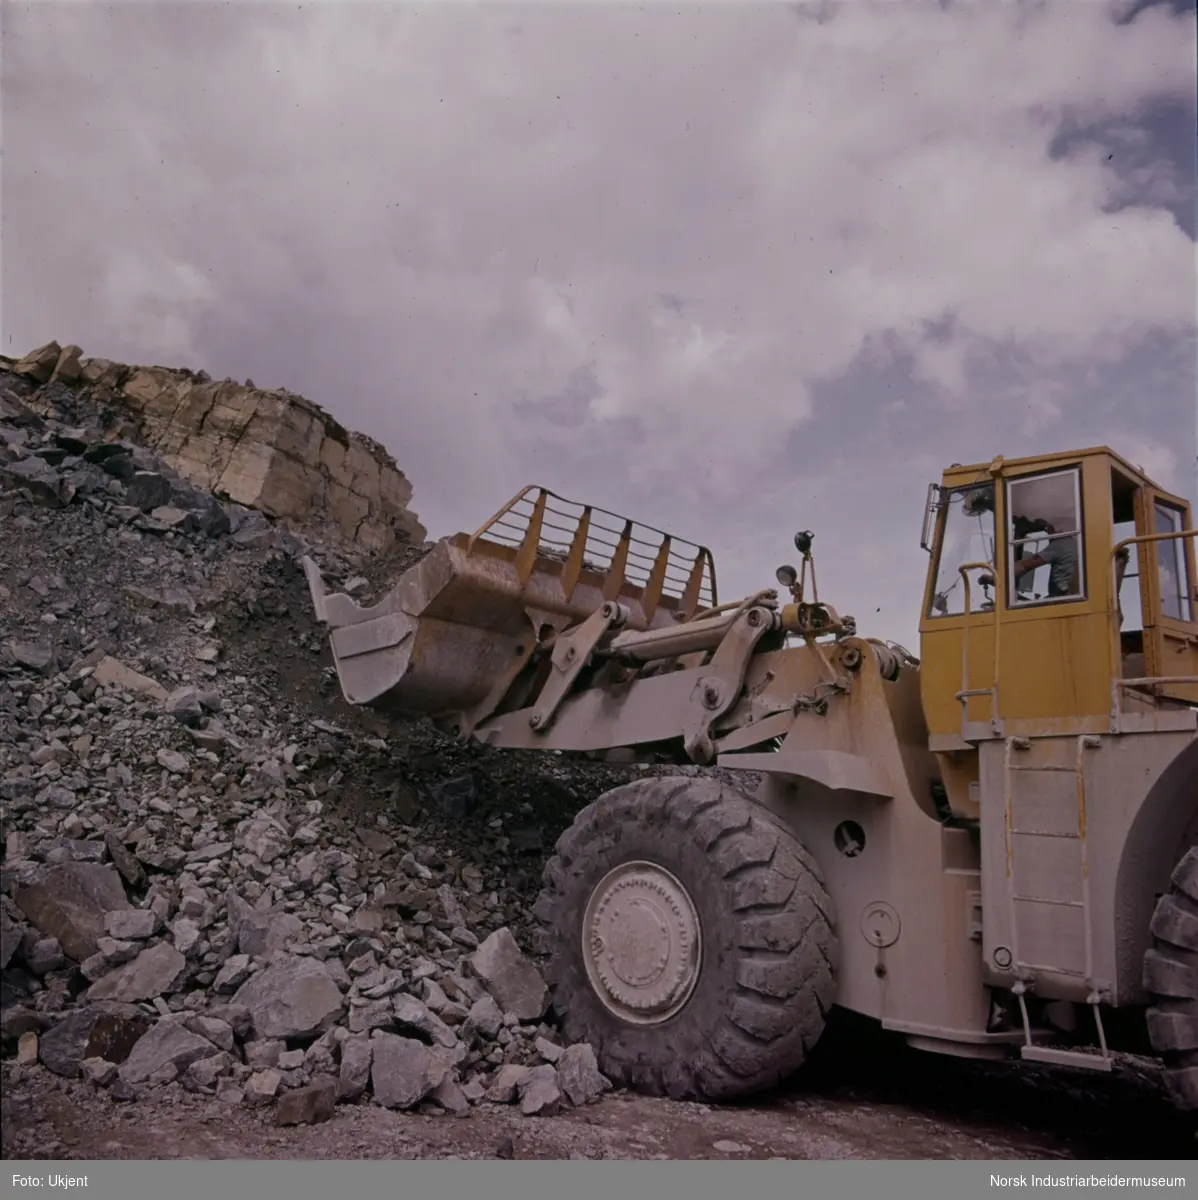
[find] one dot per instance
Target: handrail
(1118, 683)
(1144, 539)
(966, 692)
(1147, 680)
(1154, 537)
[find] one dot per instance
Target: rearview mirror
(931, 506)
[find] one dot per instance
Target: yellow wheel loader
(991, 849)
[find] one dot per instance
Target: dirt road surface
(877, 1102)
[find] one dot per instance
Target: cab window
(1172, 567)
(1045, 548)
(968, 537)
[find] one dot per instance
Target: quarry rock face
(269, 450)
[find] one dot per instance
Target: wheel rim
(642, 943)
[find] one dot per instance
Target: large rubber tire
(1171, 977)
(765, 982)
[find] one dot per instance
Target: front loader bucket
(454, 629)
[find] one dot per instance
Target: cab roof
(965, 473)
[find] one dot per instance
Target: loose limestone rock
(263, 1086)
(506, 1084)
(549, 1051)
(510, 976)
(173, 761)
(486, 1016)
(45, 956)
(265, 839)
(403, 1071)
(294, 997)
(130, 869)
(449, 1096)
(148, 490)
(356, 1056)
(261, 934)
(233, 974)
(107, 1031)
(264, 1053)
(39, 364)
(27, 1049)
(308, 1105)
(132, 924)
(47, 488)
(99, 1072)
(539, 1093)
(67, 369)
(167, 1045)
(218, 1032)
(156, 971)
(205, 1074)
(578, 1075)
(184, 705)
(71, 903)
(186, 935)
(112, 672)
(415, 1015)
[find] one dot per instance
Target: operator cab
(1061, 592)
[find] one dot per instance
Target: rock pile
(216, 876)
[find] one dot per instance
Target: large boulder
(169, 1043)
(107, 1031)
(41, 480)
(308, 1105)
(156, 971)
(68, 367)
(510, 976)
(294, 997)
(71, 902)
(39, 364)
(540, 1095)
(403, 1071)
(578, 1075)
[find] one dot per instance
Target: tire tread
(1171, 978)
(781, 982)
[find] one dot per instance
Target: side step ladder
(1070, 793)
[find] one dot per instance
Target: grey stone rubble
(216, 876)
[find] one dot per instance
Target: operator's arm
(1024, 565)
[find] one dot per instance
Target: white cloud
(433, 219)
(1158, 461)
(159, 297)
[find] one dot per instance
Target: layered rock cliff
(267, 449)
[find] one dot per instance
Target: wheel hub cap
(641, 942)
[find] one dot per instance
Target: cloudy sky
(732, 269)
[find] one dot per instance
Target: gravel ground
(886, 1103)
